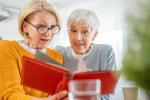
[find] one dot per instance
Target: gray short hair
(34, 6)
(84, 16)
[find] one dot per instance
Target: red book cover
(52, 78)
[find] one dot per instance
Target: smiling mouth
(45, 39)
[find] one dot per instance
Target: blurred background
(108, 11)
(111, 31)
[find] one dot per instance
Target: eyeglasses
(43, 30)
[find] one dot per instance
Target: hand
(59, 96)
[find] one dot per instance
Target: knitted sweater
(11, 53)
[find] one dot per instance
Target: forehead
(41, 14)
(80, 26)
(79, 23)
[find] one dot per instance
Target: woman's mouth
(45, 39)
(79, 45)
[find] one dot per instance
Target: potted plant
(136, 63)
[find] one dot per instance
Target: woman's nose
(49, 33)
(79, 36)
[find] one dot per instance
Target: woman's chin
(79, 51)
(43, 46)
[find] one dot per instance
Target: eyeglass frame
(50, 28)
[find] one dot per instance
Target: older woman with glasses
(84, 55)
(38, 23)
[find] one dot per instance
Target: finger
(59, 95)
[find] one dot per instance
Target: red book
(52, 78)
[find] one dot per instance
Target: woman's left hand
(59, 96)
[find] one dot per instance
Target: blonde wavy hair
(34, 6)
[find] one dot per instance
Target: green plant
(136, 63)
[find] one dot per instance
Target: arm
(111, 61)
(10, 81)
(57, 96)
(110, 65)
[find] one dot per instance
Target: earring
(26, 33)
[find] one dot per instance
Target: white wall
(110, 32)
(9, 30)
(108, 11)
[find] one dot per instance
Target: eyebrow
(44, 24)
(41, 25)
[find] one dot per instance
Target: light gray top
(100, 57)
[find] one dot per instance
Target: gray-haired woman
(84, 55)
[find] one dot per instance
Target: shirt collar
(81, 56)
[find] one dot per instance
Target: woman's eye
(85, 32)
(73, 30)
(52, 26)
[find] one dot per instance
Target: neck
(85, 51)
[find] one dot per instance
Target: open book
(52, 78)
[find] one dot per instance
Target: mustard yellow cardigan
(11, 54)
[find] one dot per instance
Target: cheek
(88, 42)
(34, 37)
(71, 38)
(33, 34)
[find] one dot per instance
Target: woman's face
(38, 29)
(81, 37)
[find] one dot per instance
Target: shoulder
(7, 49)
(61, 49)
(103, 47)
(6, 45)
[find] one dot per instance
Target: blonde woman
(38, 23)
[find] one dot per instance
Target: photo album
(53, 78)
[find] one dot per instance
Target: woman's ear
(94, 36)
(24, 27)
